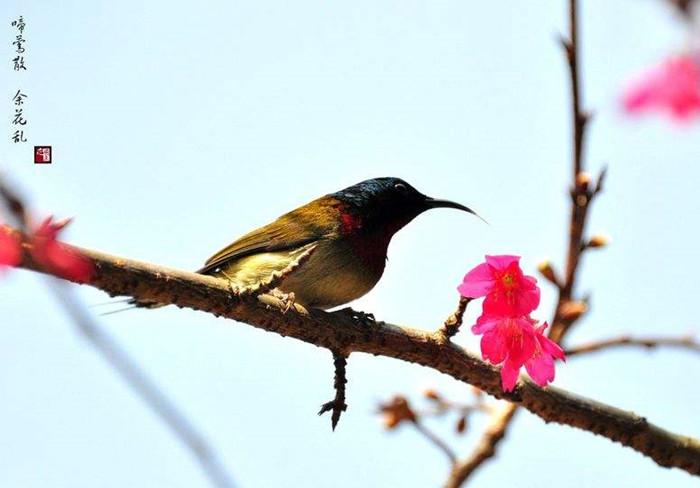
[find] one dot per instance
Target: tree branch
(683, 342)
(485, 449)
(340, 332)
(435, 440)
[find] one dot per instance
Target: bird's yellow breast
(332, 276)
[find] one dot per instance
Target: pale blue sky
(177, 127)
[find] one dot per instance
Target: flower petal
(541, 369)
(10, 248)
(520, 341)
(477, 282)
(494, 347)
(58, 257)
(550, 347)
(673, 86)
(503, 261)
(485, 323)
(509, 376)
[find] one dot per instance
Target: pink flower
(674, 86)
(516, 342)
(510, 336)
(10, 248)
(56, 256)
(505, 338)
(540, 366)
(507, 290)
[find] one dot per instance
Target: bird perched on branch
(338, 243)
(323, 254)
(328, 252)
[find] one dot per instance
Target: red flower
(673, 86)
(56, 256)
(505, 338)
(508, 291)
(10, 248)
(510, 336)
(516, 342)
(540, 366)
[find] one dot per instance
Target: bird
(324, 254)
(346, 233)
(330, 251)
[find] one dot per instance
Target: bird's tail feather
(132, 302)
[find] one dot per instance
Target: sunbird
(338, 243)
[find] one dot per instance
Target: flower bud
(396, 411)
(598, 241)
(583, 179)
(461, 424)
(432, 394)
(545, 268)
(572, 310)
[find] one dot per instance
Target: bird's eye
(401, 187)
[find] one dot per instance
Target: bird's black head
(389, 203)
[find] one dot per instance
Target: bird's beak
(435, 203)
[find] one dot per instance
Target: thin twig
(454, 321)
(123, 364)
(435, 440)
(683, 342)
(580, 118)
(143, 386)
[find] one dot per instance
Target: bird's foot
(335, 406)
(359, 317)
(287, 299)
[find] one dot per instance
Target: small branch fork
(451, 326)
(337, 406)
(485, 449)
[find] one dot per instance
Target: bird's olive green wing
(291, 231)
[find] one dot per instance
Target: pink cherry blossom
(10, 248)
(516, 342)
(56, 256)
(507, 290)
(505, 338)
(510, 337)
(540, 366)
(672, 86)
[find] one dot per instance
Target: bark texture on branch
(344, 333)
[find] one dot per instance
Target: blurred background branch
(125, 366)
(684, 342)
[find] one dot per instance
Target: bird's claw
(287, 299)
(335, 406)
(362, 318)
